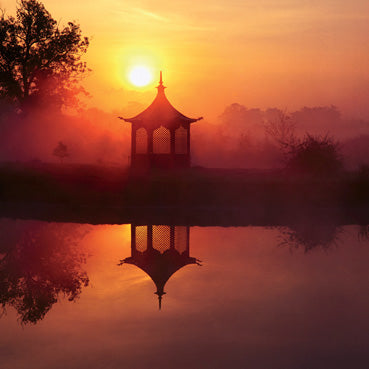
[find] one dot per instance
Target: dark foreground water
(82, 296)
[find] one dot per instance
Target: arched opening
(161, 141)
(180, 239)
(161, 238)
(141, 238)
(181, 140)
(141, 141)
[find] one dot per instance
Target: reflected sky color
(254, 303)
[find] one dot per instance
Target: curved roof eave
(160, 110)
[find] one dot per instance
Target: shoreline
(196, 196)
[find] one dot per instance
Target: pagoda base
(161, 161)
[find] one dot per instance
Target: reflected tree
(310, 236)
(39, 263)
(363, 233)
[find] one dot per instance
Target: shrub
(61, 151)
(317, 155)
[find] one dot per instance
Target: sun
(140, 76)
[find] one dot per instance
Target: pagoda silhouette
(160, 251)
(161, 136)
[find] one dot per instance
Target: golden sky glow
(286, 53)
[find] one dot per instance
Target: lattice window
(180, 239)
(161, 238)
(161, 141)
(141, 141)
(141, 238)
(181, 140)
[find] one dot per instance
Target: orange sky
(287, 53)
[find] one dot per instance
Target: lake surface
(77, 296)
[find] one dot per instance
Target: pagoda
(160, 135)
(160, 251)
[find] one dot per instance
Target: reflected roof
(160, 267)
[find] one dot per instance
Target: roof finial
(160, 294)
(160, 298)
(161, 87)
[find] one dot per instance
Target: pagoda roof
(160, 112)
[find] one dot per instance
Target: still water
(83, 296)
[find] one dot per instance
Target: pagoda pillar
(133, 239)
(149, 238)
(172, 141)
(133, 143)
(172, 237)
(150, 141)
(189, 145)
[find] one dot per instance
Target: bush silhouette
(317, 155)
(61, 151)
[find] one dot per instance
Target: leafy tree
(40, 63)
(61, 151)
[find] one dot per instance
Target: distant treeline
(240, 139)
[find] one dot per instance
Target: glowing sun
(140, 76)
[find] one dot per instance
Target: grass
(115, 191)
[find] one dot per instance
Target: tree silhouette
(61, 151)
(282, 130)
(317, 155)
(38, 263)
(40, 63)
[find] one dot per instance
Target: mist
(91, 136)
(237, 139)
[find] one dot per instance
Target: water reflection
(310, 235)
(253, 304)
(160, 251)
(363, 233)
(39, 262)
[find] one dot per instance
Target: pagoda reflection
(160, 251)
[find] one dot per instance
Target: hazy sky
(283, 53)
